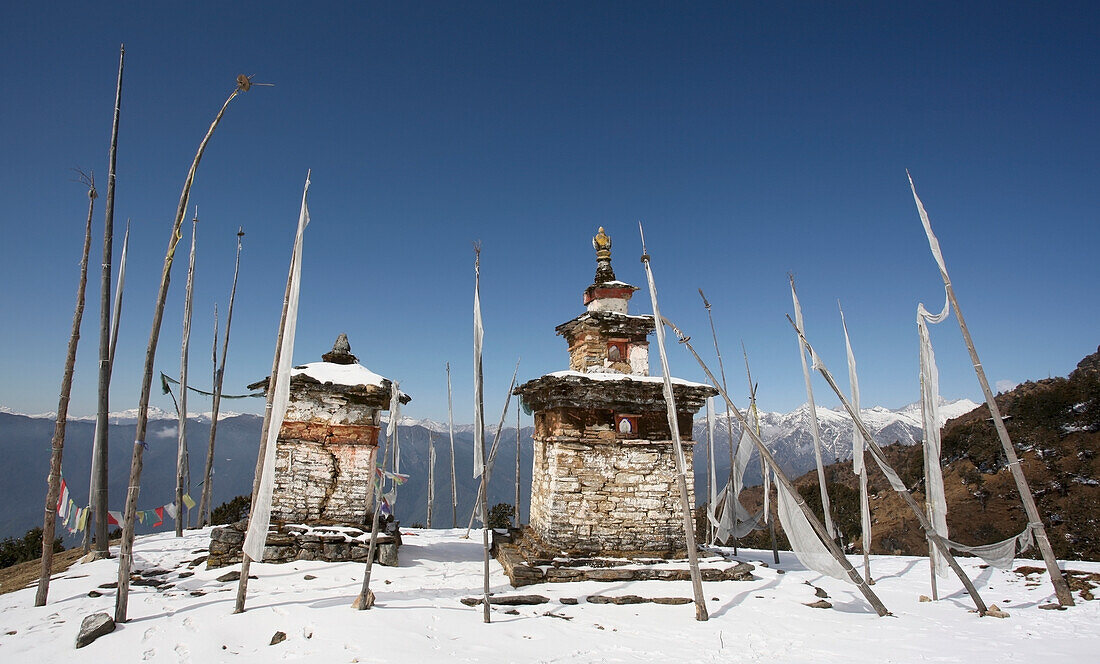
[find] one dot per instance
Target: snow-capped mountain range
(790, 435)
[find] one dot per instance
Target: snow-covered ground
(418, 617)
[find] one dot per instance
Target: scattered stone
(995, 612)
(309, 577)
(186, 575)
(557, 615)
(820, 604)
(388, 582)
(94, 593)
(12, 632)
(569, 601)
(820, 592)
(197, 593)
(197, 561)
(153, 572)
(278, 637)
(512, 612)
(779, 571)
(509, 600)
(387, 554)
(925, 598)
(233, 576)
(714, 599)
(620, 600)
(1053, 606)
(358, 604)
(672, 600)
(109, 586)
(93, 627)
(198, 551)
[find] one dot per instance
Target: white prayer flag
(256, 538)
(479, 386)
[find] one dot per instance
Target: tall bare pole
(1035, 521)
(93, 480)
(895, 481)
(219, 376)
(519, 448)
(365, 599)
(125, 557)
(57, 444)
(278, 394)
(100, 442)
(431, 476)
(722, 371)
(451, 431)
(182, 458)
(487, 473)
(782, 478)
(678, 446)
(479, 426)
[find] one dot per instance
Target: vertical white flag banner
(479, 398)
(858, 466)
(816, 428)
(256, 537)
(931, 423)
(712, 499)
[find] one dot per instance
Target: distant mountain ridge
(25, 440)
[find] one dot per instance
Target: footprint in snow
(183, 653)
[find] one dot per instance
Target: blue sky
(751, 139)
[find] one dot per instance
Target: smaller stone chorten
(325, 460)
(604, 478)
(327, 447)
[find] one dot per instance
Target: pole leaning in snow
(815, 427)
(365, 599)
(891, 474)
(1061, 589)
(678, 446)
(858, 465)
(479, 429)
(126, 548)
(57, 444)
(185, 346)
(451, 432)
(278, 391)
(219, 377)
(784, 481)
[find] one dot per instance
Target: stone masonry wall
(322, 481)
(608, 497)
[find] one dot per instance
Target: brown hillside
(1055, 427)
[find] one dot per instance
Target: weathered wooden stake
(185, 346)
(93, 480)
(365, 599)
(219, 375)
(451, 431)
(518, 450)
(722, 371)
(483, 489)
(678, 446)
(1035, 521)
(767, 457)
(431, 477)
(100, 442)
(125, 556)
(880, 458)
(57, 444)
